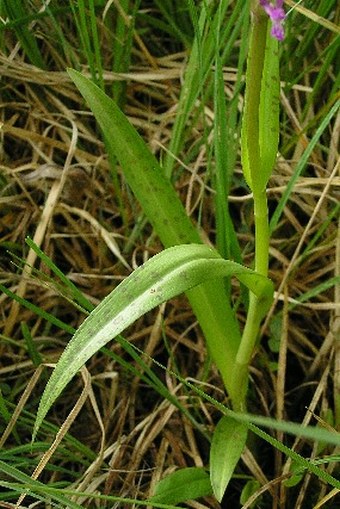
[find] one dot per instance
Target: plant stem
(254, 316)
(261, 233)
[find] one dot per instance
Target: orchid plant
(187, 265)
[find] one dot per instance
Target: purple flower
(277, 15)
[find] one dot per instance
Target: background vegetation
(61, 186)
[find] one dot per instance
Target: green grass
(155, 396)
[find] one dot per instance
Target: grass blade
(37, 310)
(35, 488)
(16, 11)
(75, 293)
(199, 67)
(225, 150)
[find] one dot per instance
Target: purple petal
(277, 16)
(277, 31)
(277, 13)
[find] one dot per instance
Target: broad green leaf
(182, 485)
(167, 215)
(164, 276)
(226, 448)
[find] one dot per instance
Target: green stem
(261, 233)
(254, 316)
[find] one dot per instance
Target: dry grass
(58, 188)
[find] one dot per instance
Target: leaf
(226, 448)
(141, 169)
(269, 110)
(164, 276)
(249, 489)
(182, 485)
(167, 215)
(250, 147)
(295, 479)
(260, 125)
